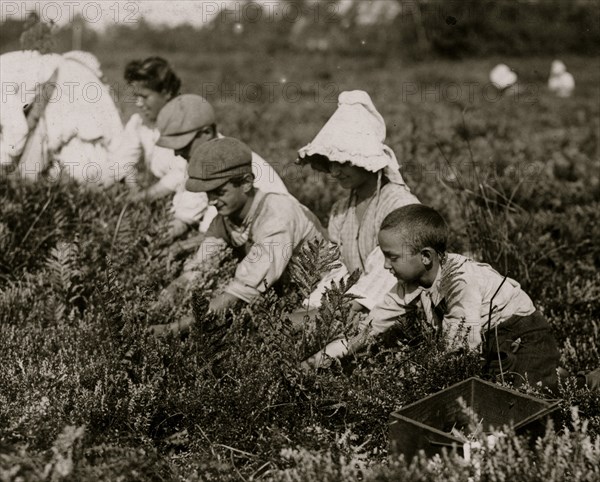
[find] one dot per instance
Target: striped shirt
(464, 292)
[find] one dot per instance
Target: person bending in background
(155, 83)
(456, 293)
(268, 228)
(50, 125)
(351, 148)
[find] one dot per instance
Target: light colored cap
(558, 67)
(502, 77)
(181, 118)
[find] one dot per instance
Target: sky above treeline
(101, 14)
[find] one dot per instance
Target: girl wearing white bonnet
(350, 146)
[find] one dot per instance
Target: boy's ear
(208, 131)
(427, 257)
(248, 184)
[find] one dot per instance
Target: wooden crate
(426, 424)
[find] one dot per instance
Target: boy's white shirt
(467, 288)
(266, 178)
(279, 226)
(139, 142)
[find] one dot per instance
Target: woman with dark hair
(154, 84)
(153, 76)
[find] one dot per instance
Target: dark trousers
(522, 348)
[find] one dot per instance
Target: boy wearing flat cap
(270, 227)
(189, 120)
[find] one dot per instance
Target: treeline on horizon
(425, 29)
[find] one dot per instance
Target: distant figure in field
(560, 81)
(57, 117)
(502, 77)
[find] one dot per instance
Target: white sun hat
(502, 77)
(355, 134)
(558, 67)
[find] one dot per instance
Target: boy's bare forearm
(337, 349)
(192, 243)
(154, 192)
(177, 228)
(357, 343)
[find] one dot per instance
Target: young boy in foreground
(269, 228)
(456, 292)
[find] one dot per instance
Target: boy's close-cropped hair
(420, 225)
(154, 73)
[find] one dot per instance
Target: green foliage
(315, 258)
(557, 456)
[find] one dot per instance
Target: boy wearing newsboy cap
(186, 121)
(270, 227)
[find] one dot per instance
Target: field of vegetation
(87, 394)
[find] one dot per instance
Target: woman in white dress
(57, 117)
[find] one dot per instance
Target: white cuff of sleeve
(242, 291)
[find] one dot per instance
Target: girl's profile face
(149, 101)
(348, 176)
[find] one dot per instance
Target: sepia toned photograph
(300, 240)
